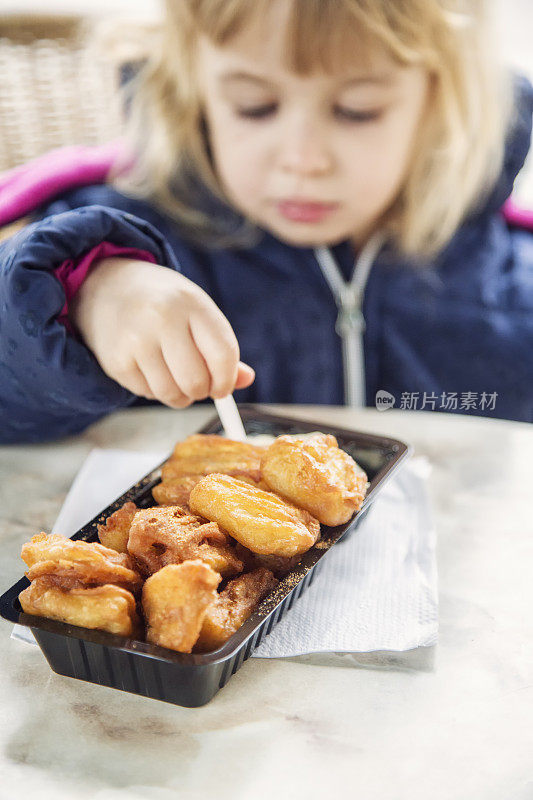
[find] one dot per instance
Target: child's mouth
(305, 211)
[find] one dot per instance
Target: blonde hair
(460, 144)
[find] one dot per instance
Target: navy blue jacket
(461, 325)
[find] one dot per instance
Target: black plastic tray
(192, 680)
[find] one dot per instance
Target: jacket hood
(518, 142)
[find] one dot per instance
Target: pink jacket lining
(71, 274)
(25, 188)
(517, 217)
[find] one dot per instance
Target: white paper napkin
(377, 590)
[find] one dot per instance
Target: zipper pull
(350, 318)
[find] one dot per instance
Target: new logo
(384, 400)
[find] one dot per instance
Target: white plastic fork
(230, 418)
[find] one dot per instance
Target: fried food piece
(176, 491)
(175, 601)
(107, 608)
(114, 534)
(169, 535)
(233, 606)
(73, 561)
(261, 521)
(317, 475)
(203, 454)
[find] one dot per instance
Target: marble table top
(311, 727)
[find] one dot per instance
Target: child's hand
(158, 334)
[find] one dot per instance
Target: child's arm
(50, 383)
(157, 333)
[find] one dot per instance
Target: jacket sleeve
(50, 383)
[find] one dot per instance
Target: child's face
(314, 159)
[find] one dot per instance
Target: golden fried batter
(233, 606)
(175, 601)
(176, 491)
(261, 521)
(202, 454)
(107, 608)
(317, 475)
(71, 561)
(115, 532)
(169, 535)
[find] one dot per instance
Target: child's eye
(257, 112)
(352, 115)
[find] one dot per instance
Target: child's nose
(305, 152)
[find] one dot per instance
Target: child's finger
(187, 366)
(161, 381)
(135, 382)
(214, 338)
(245, 376)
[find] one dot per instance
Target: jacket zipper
(350, 325)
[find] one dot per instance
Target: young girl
(312, 186)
